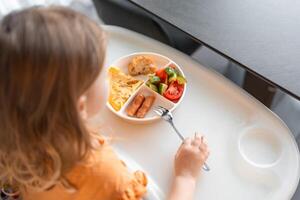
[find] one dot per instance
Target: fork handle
(205, 166)
(176, 130)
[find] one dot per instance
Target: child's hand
(190, 157)
(188, 162)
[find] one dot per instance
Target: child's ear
(82, 103)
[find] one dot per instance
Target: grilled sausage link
(142, 111)
(135, 105)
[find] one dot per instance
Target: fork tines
(158, 111)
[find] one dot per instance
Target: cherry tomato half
(162, 75)
(174, 91)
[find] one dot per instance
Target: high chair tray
(253, 153)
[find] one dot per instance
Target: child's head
(49, 57)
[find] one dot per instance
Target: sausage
(135, 105)
(142, 111)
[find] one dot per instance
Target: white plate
(161, 62)
(220, 110)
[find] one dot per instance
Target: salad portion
(168, 82)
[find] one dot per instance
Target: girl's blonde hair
(49, 57)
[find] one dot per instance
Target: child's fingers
(204, 140)
(197, 140)
(203, 147)
(187, 141)
(206, 154)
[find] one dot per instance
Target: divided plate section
(151, 115)
(123, 62)
(180, 72)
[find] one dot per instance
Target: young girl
(50, 59)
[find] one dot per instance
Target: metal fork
(167, 116)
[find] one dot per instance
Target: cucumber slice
(154, 79)
(170, 71)
(162, 88)
(153, 87)
(181, 80)
(172, 77)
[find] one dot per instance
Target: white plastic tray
(224, 114)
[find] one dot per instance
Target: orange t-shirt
(106, 178)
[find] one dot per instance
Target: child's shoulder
(107, 174)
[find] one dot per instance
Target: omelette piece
(122, 87)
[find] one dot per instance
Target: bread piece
(141, 65)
